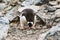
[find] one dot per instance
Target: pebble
(58, 0)
(51, 9)
(13, 2)
(57, 6)
(2, 6)
(29, 32)
(57, 12)
(27, 3)
(53, 3)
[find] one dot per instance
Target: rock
(19, 2)
(4, 26)
(37, 2)
(4, 20)
(53, 3)
(29, 32)
(50, 9)
(13, 2)
(1, 14)
(2, 6)
(34, 2)
(45, 1)
(12, 14)
(8, 8)
(50, 32)
(57, 20)
(27, 3)
(41, 2)
(42, 36)
(54, 36)
(57, 6)
(58, 0)
(6, 1)
(35, 8)
(57, 13)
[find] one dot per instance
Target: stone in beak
(30, 24)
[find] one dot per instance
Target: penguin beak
(30, 24)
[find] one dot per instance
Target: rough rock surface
(46, 10)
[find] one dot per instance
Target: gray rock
(29, 32)
(34, 2)
(57, 6)
(4, 26)
(50, 9)
(6, 2)
(53, 3)
(57, 12)
(11, 14)
(4, 20)
(27, 2)
(58, 0)
(1, 14)
(13, 2)
(2, 6)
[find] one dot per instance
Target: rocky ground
(47, 10)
